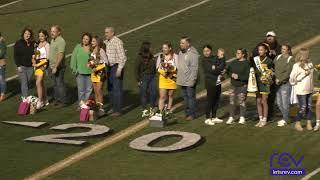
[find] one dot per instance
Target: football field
(227, 152)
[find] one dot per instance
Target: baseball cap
(271, 33)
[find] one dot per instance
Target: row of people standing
(28, 53)
(93, 61)
(174, 69)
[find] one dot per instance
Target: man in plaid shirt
(116, 62)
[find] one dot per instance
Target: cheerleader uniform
(167, 77)
(42, 62)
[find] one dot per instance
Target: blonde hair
(221, 49)
(303, 57)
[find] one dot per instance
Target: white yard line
(10, 3)
(308, 176)
(137, 28)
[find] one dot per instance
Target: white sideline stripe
(134, 29)
(308, 176)
(10, 3)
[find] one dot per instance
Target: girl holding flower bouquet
(97, 63)
(40, 63)
(167, 68)
(263, 66)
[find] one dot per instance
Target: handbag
(84, 114)
(24, 108)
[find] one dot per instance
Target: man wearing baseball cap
(271, 41)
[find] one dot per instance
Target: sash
(257, 62)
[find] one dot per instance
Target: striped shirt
(115, 52)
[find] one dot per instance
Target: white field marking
(58, 166)
(10, 3)
(139, 27)
(27, 124)
(308, 176)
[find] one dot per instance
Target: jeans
(239, 93)
(3, 84)
(59, 92)
(283, 100)
(84, 86)
(148, 86)
(189, 96)
(25, 77)
(115, 88)
(305, 106)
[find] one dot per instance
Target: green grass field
(229, 152)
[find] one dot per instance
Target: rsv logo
(284, 164)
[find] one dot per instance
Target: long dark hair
(167, 43)
(100, 45)
(145, 50)
(86, 34)
(45, 32)
(25, 30)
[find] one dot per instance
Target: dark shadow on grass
(43, 8)
(13, 88)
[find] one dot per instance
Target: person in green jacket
(283, 64)
(3, 51)
(79, 66)
(263, 67)
(238, 71)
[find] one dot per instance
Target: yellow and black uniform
(168, 72)
(41, 65)
(98, 69)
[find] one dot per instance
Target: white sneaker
(211, 123)
(242, 120)
(262, 123)
(39, 105)
(316, 127)
(217, 120)
(230, 120)
(258, 124)
(281, 123)
(207, 121)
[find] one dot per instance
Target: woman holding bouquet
(97, 63)
(40, 63)
(301, 78)
(263, 66)
(79, 66)
(167, 68)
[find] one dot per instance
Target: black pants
(213, 98)
(271, 100)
